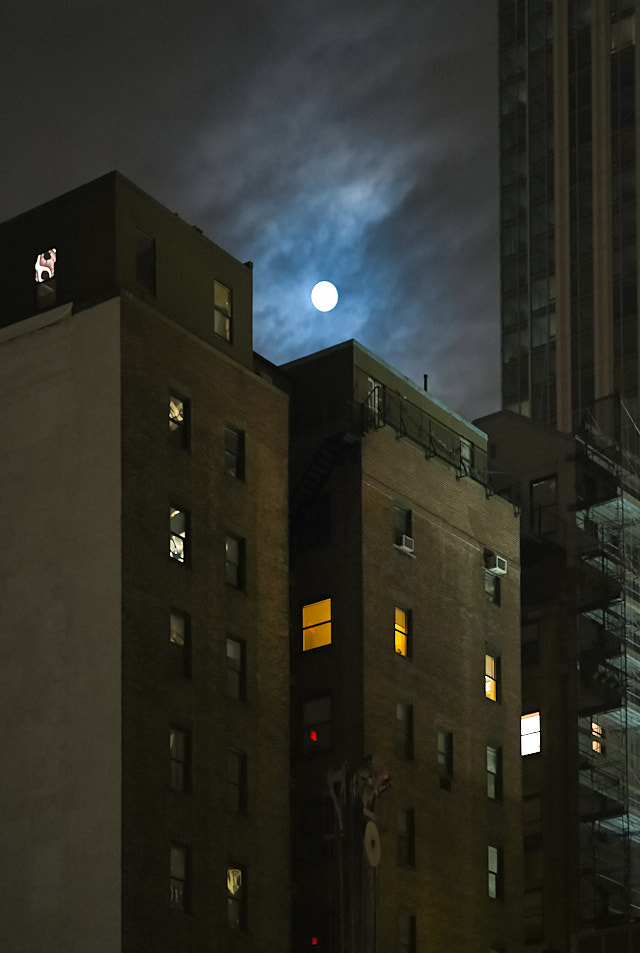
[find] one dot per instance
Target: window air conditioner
(497, 565)
(406, 543)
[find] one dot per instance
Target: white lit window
(530, 733)
(178, 531)
(45, 279)
(494, 872)
(178, 421)
(597, 738)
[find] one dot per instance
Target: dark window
(316, 724)
(406, 837)
(407, 933)
(494, 870)
(236, 669)
(236, 898)
(234, 561)
(445, 758)
(236, 781)
(146, 262)
(179, 422)
(402, 534)
(222, 316)
(404, 730)
(178, 533)
(180, 877)
(234, 452)
(179, 644)
(494, 773)
(180, 755)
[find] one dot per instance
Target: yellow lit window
(316, 625)
(597, 738)
(402, 631)
(530, 733)
(491, 677)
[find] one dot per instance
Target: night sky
(322, 139)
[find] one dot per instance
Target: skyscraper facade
(569, 252)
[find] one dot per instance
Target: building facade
(144, 610)
(569, 205)
(579, 496)
(405, 666)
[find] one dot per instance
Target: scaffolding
(608, 643)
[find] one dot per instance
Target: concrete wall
(60, 633)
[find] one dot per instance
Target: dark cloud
(338, 139)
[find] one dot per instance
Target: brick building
(406, 666)
(144, 608)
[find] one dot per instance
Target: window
(180, 754)
(45, 279)
(404, 730)
(492, 677)
(402, 535)
(179, 877)
(445, 758)
(316, 625)
(543, 505)
(407, 933)
(236, 669)
(179, 644)
(530, 733)
(406, 837)
(403, 631)
(494, 773)
(374, 403)
(492, 587)
(236, 898)
(146, 262)
(234, 452)
(494, 868)
(222, 311)
(234, 561)
(316, 724)
(178, 533)
(597, 738)
(179, 421)
(236, 781)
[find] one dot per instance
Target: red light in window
(314, 941)
(313, 735)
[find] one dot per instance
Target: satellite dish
(372, 847)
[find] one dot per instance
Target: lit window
(494, 864)
(178, 533)
(597, 738)
(445, 758)
(491, 677)
(407, 933)
(316, 625)
(236, 781)
(234, 452)
(236, 898)
(403, 631)
(494, 773)
(234, 561)
(146, 262)
(316, 724)
(530, 733)
(236, 669)
(45, 279)
(406, 837)
(179, 745)
(179, 875)
(466, 456)
(178, 421)
(222, 311)
(404, 730)
(179, 654)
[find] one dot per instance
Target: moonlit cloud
(339, 139)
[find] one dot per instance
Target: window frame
(406, 831)
(179, 552)
(237, 899)
(494, 777)
(180, 654)
(235, 563)
(444, 748)
(528, 738)
(234, 452)
(495, 873)
(145, 262)
(180, 759)
(317, 724)
(403, 632)
(405, 730)
(492, 675)
(182, 884)
(223, 313)
(236, 674)
(237, 788)
(179, 428)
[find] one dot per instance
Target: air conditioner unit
(406, 543)
(496, 565)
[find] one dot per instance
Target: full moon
(324, 296)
